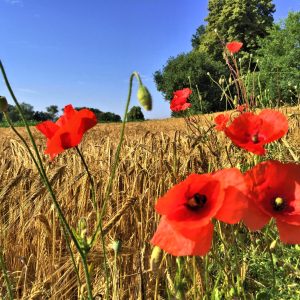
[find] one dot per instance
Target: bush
(279, 60)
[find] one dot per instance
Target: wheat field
(155, 155)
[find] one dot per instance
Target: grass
(4, 124)
(155, 156)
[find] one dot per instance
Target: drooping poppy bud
(144, 97)
(3, 104)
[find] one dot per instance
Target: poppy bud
(235, 100)
(82, 228)
(273, 245)
(155, 259)
(116, 246)
(3, 104)
(144, 97)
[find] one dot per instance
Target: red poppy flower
(274, 192)
(179, 101)
(234, 47)
(68, 130)
(252, 132)
(189, 207)
(221, 121)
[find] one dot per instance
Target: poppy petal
(47, 128)
(235, 199)
(69, 113)
(275, 125)
(241, 131)
(289, 234)
(185, 93)
(254, 218)
(221, 121)
(87, 120)
(175, 203)
(173, 242)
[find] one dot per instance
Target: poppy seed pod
(144, 97)
(3, 104)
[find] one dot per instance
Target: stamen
(278, 204)
(255, 139)
(197, 202)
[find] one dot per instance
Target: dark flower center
(254, 139)
(196, 202)
(278, 204)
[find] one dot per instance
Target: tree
(196, 38)
(192, 68)
(103, 116)
(279, 59)
(242, 20)
(135, 114)
(14, 114)
(110, 117)
(41, 116)
(27, 110)
(52, 110)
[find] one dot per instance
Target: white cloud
(15, 2)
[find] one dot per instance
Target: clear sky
(83, 52)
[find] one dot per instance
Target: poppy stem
(92, 183)
(273, 269)
(6, 277)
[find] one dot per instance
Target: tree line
(52, 113)
(271, 53)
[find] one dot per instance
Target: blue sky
(83, 52)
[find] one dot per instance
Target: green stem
(46, 181)
(92, 184)
(194, 278)
(273, 270)
(6, 278)
(87, 277)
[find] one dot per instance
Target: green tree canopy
(242, 20)
(196, 38)
(135, 114)
(14, 114)
(279, 59)
(41, 116)
(102, 116)
(52, 110)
